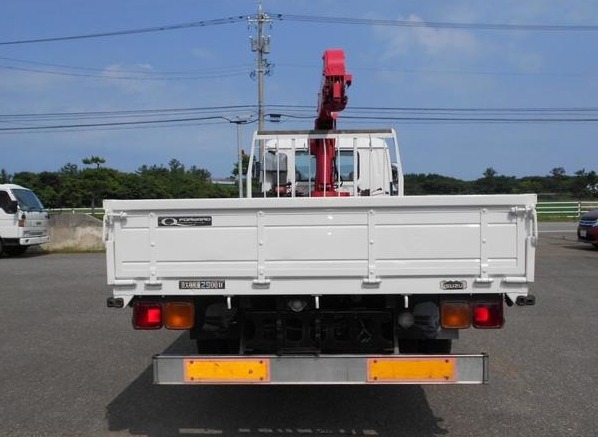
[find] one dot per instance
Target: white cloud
(132, 79)
(118, 70)
(430, 41)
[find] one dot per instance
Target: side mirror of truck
(12, 207)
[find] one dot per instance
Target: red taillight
(147, 315)
(488, 315)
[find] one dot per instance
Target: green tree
(93, 181)
(244, 165)
(69, 169)
(532, 184)
(420, 184)
(557, 181)
(70, 194)
(492, 183)
(489, 173)
(4, 177)
(583, 184)
(94, 160)
(27, 179)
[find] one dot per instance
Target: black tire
(1, 247)
(15, 250)
(411, 346)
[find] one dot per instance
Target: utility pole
(260, 45)
(239, 121)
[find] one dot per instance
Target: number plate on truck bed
(202, 284)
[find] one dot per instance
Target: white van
(23, 220)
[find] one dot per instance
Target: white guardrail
(573, 209)
(88, 211)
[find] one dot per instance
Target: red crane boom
(331, 100)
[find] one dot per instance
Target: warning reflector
(198, 370)
(411, 370)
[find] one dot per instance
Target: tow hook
(526, 300)
(112, 302)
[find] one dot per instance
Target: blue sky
(411, 69)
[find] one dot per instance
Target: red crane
(331, 100)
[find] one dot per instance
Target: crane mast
(331, 100)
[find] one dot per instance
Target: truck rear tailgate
(386, 245)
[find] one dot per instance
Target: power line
(114, 124)
(108, 74)
(307, 109)
(217, 70)
(283, 116)
(448, 109)
(480, 119)
(380, 68)
(319, 20)
(205, 23)
(436, 24)
(129, 113)
(234, 70)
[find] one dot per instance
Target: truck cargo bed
(308, 246)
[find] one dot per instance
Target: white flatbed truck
(299, 289)
(328, 274)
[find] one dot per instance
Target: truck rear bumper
(28, 241)
(323, 369)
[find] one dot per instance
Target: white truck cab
(367, 163)
(23, 220)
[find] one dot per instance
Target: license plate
(583, 233)
(200, 370)
(411, 370)
(202, 284)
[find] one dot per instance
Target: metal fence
(572, 209)
(88, 211)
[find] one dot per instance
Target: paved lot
(70, 366)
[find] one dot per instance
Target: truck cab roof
(12, 187)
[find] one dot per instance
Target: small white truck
(23, 220)
(328, 274)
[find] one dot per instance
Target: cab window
(345, 165)
(28, 201)
(305, 166)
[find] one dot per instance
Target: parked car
(587, 230)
